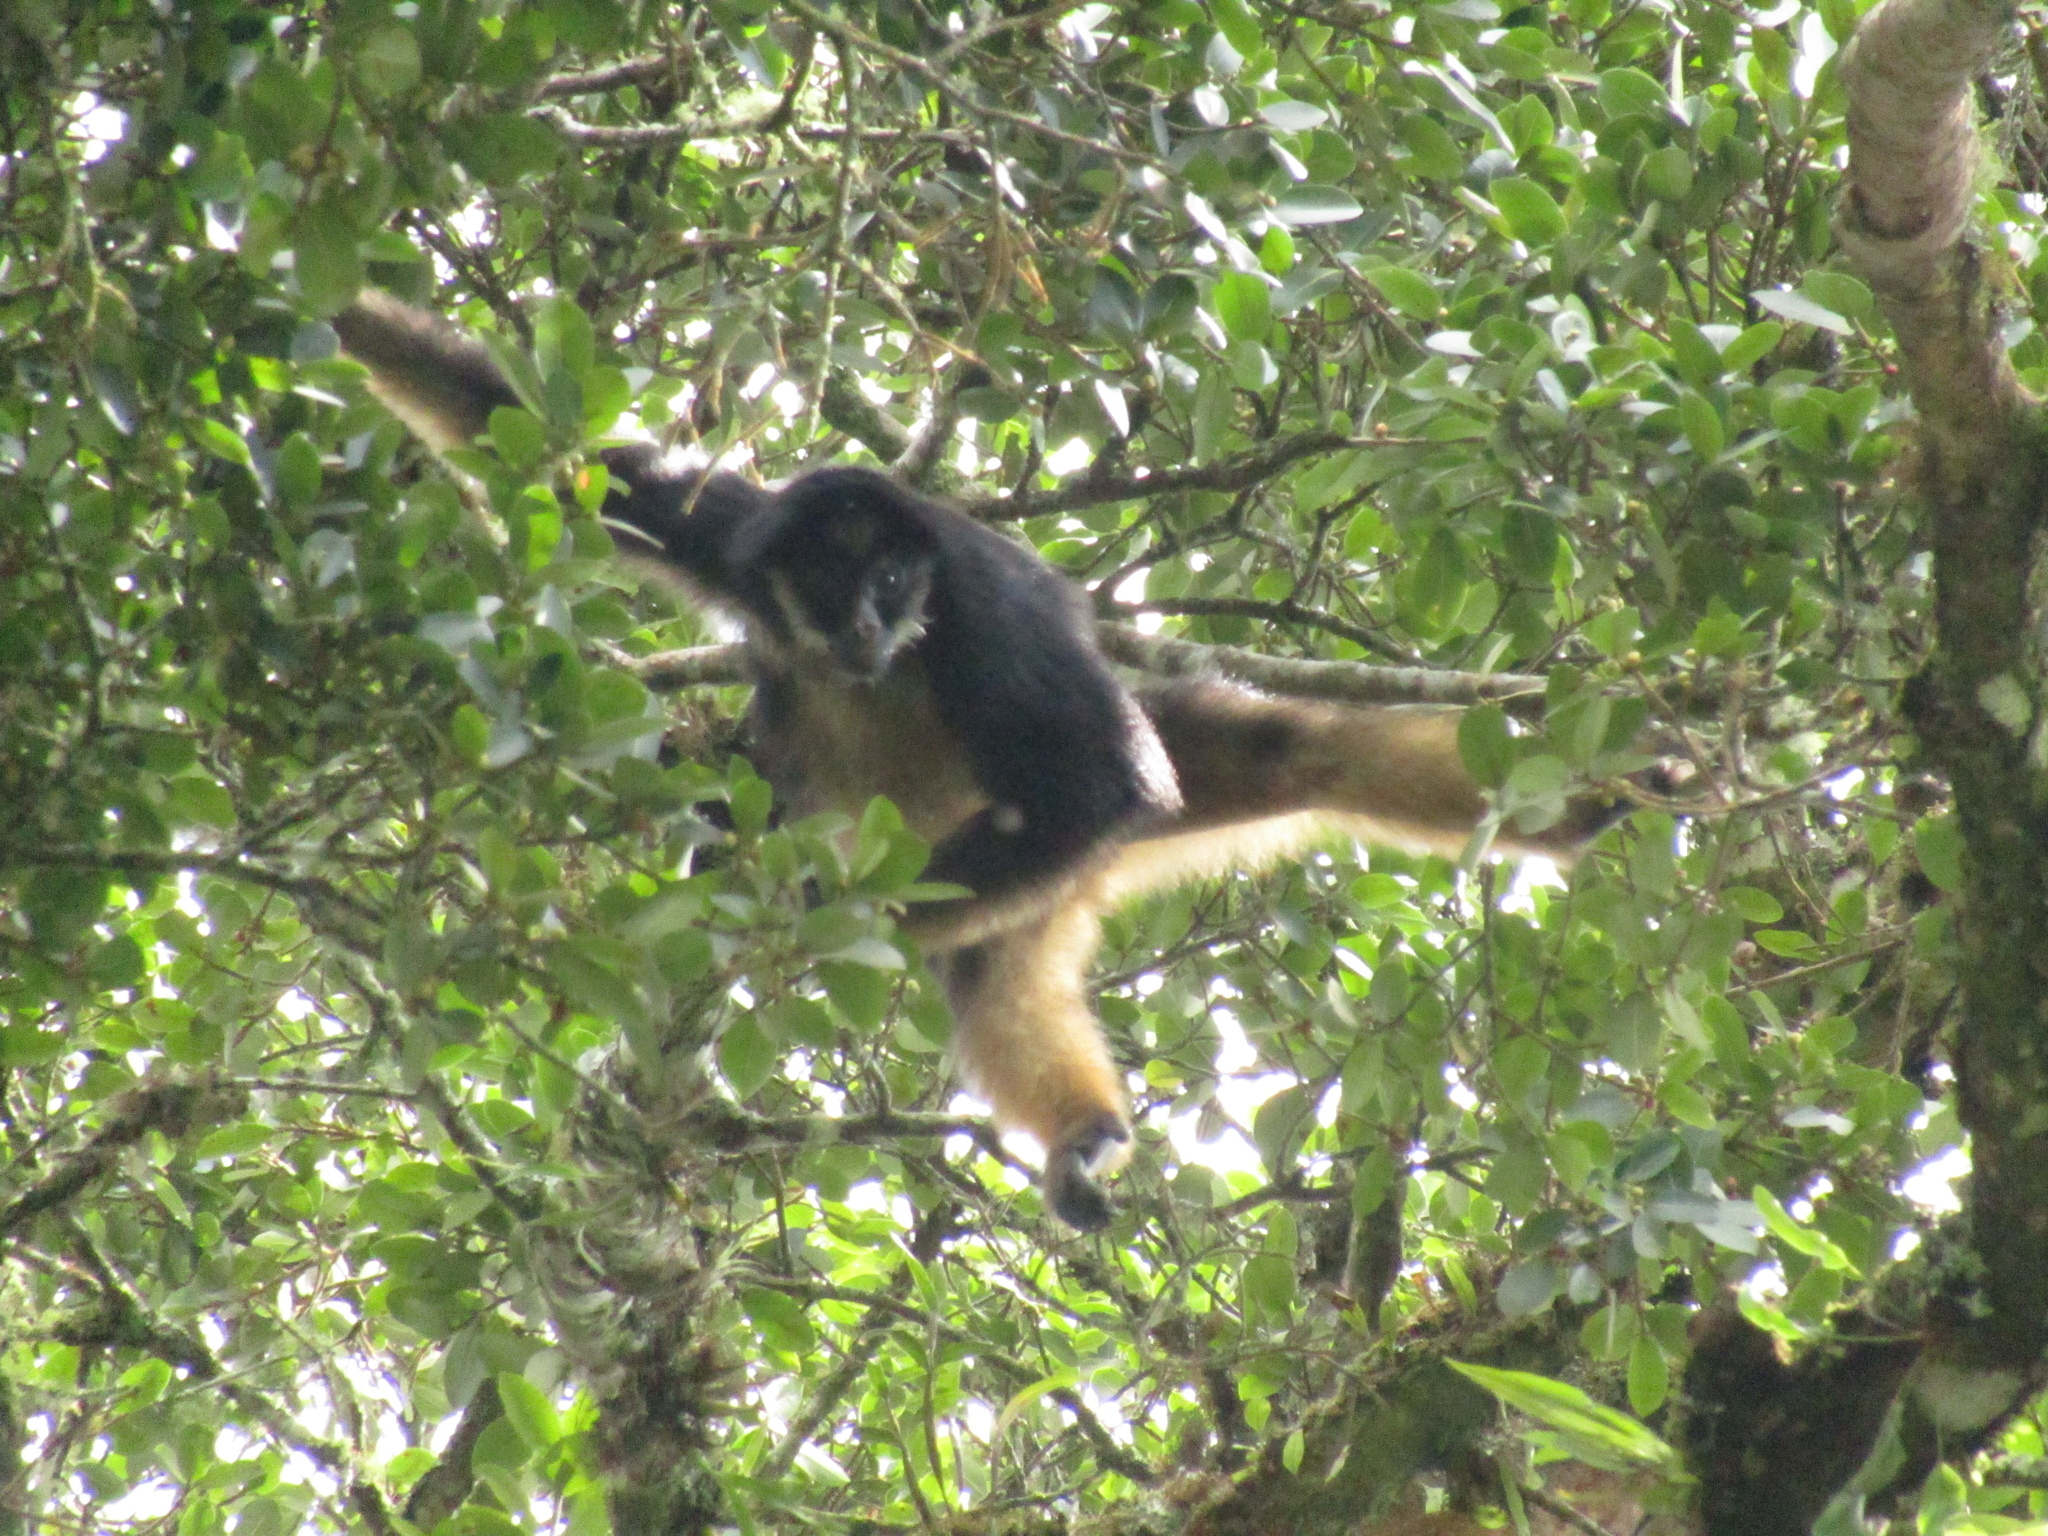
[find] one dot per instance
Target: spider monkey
(899, 648)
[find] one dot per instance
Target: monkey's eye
(888, 581)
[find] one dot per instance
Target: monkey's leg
(1388, 773)
(1028, 1043)
(949, 926)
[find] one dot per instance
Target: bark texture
(1977, 710)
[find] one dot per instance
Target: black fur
(901, 648)
(1008, 650)
(1070, 1185)
(1008, 654)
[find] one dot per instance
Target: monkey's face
(853, 590)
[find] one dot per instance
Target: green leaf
(1667, 173)
(1528, 1288)
(1269, 1284)
(501, 148)
(221, 440)
(116, 964)
(1593, 1432)
(1307, 204)
(746, 1057)
(1215, 405)
(1800, 309)
(1752, 345)
(327, 262)
(1839, 292)
(1938, 844)
(1243, 303)
(470, 731)
(563, 342)
(1699, 363)
(519, 437)
(1626, 92)
(1788, 942)
(1170, 303)
(1702, 424)
(529, 1412)
(193, 800)
(1800, 1239)
(1235, 22)
(1532, 213)
(1649, 1376)
(780, 1320)
(1754, 905)
(387, 61)
(1021, 1400)
(1484, 744)
(297, 470)
(1412, 293)
(1432, 152)
(1113, 305)
(751, 800)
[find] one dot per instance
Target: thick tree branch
(442, 1489)
(639, 135)
(1977, 710)
(1913, 151)
(316, 894)
(700, 666)
(1351, 682)
(845, 408)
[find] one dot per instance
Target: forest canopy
(442, 1094)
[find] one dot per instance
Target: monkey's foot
(1071, 1170)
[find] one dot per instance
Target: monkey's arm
(443, 384)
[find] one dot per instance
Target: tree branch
(948, 87)
(1350, 682)
(845, 408)
(1287, 612)
(1908, 73)
(726, 1129)
(173, 1108)
(1228, 475)
(593, 82)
